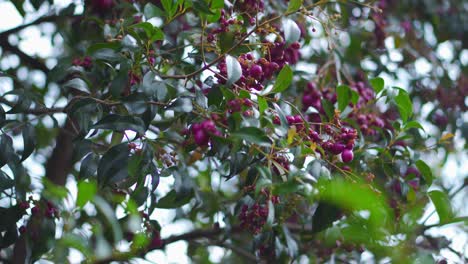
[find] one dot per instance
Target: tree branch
(51, 18)
(28, 60)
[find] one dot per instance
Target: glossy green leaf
(86, 192)
(442, 204)
(294, 5)
(377, 84)
(283, 80)
(405, 107)
(262, 104)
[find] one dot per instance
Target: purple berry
(256, 71)
(347, 155)
(201, 138)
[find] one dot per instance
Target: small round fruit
(347, 155)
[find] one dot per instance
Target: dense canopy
(252, 131)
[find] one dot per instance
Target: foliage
(289, 104)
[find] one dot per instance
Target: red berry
(22, 229)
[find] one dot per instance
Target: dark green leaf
(2, 116)
(89, 166)
(7, 153)
(202, 7)
(173, 200)
(121, 123)
(29, 141)
(5, 181)
(425, 171)
(253, 135)
(113, 165)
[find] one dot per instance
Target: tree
(275, 127)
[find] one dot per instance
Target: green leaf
(7, 152)
(2, 116)
(292, 32)
(121, 123)
(234, 70)
(253, 135)
(425, 171)
(113, 165)
(262, 104)
(294, 5)
(106, 210)
(378, 84)
(284, 79)
(328, 107)
(226, 41)
(153, 33)
(99, 46)
(343, 96)
(413, 124)
(86, 192)
(293, 248)
(29, 141)
(202, 7)
(89, 166)
(405, 107)
(168, 6)
(151, 11)
(442, 204)
(5, 181)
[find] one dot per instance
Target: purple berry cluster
(203, 131)
(253, 218)
(368, 122)
(313, 98)
(283, 54)
(341, 142)
(254, 72)
(251, 6)
(235, 105)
